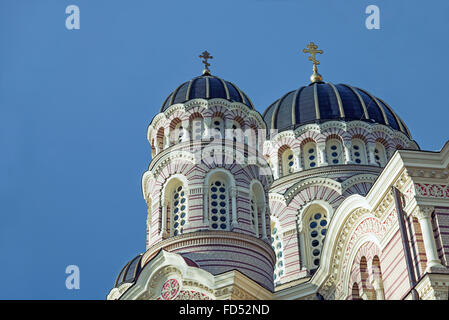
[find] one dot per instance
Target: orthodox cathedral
(323, 196)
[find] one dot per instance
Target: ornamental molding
(210, 237)
(159, 163)
(277, 197)
(423, 212)
(370, 128)
(433, 287)
(161, 118)
(282, 135)
(172, 155)
(429, 190)
(430, 173)
(116, 293)
(359, 178)
(291, 192)
(241, 294)
(306, 128)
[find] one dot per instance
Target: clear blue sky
(75, 106)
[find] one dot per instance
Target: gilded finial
(205, 55)
(312, 49)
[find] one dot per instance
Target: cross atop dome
(206, 55)
(312, 49)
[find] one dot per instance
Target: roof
(321, 102)
(206, 87)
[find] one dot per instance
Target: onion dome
(129, 272)
(320, 102)
(206, 87)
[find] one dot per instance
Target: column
(321, 148)
(347, 145)
(378, 289)
(206, 206)
(424, 214)
(264, 222)
(167, 139)
(149, 214)
(302, 250)
(256, 219)
(234, 206)
(207, 129)
(371, 160)
(185, 131)
(298, 159)
(275, 167)
(164, 221)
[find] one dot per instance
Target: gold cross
(205, 55)
(313, 51)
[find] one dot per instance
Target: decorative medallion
(170, 289)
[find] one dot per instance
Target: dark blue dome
(129, 272)
(206, 87)
(320, 102)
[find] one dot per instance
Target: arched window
(334, 151)
(160, 136)
(149, 220)
(276, 244)
(178, 210)
(197, 128)
(309, 154)
(355, 295)
(253, 213)
(177, 132)
(367, 289)
(316, 228)
(237, 134)
(380, 155)
(377, 277)
(257, 209)
(358, 151)
(175, 206)
(219, 203)
(287, 162)
(217, 126)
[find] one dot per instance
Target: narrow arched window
(309, 153)
(316, 232)
(377, 279)
(358, 151)
(367, 289)
(355, 294)
(287, 162)
(253, 213)
(197, 128)
(237, 134)
(276, 244)
(174, 207)
(217, 126)
(334, 151)
(177, 132)
(258, 209)
(178, 209)
(219, 204)
(380, 155)
(160, 136)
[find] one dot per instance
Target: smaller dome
(129, 272)
(206, 87)
(320, 102)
